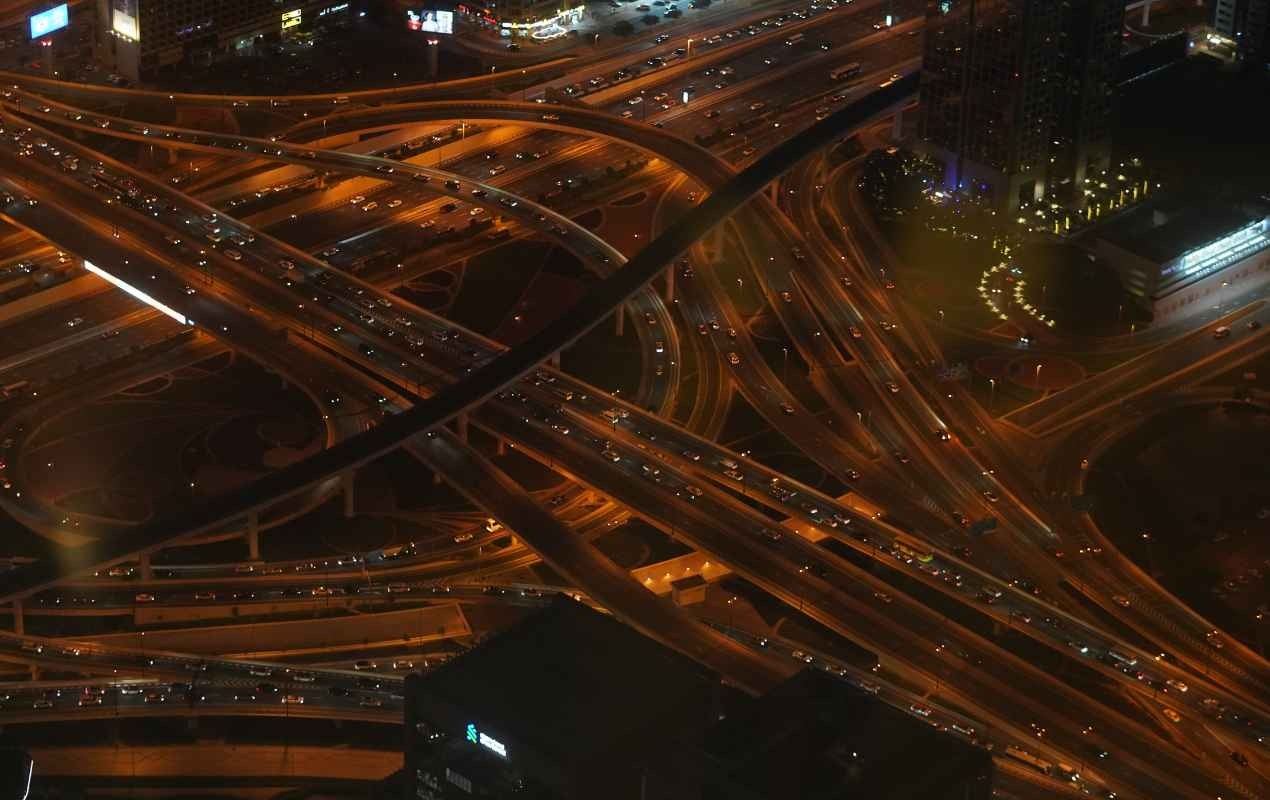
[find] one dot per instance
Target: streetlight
(688, 54)
(785, 366)
(992, 395)
(1037, 378)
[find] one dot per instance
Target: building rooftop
(819, 738)
(579, 685)
(1162, 231)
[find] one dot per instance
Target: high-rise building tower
(1248, 23)
(1085, 87)
(1018, 93)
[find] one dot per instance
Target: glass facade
(1011, 86)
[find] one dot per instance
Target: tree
(623, 28)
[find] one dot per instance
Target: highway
(990, 643)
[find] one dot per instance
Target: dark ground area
(1197, 481)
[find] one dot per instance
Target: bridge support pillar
(19, 622)
(346, 487)
(897, 126)
(502, 446)
(1146, 13)
(436, 478)
(35, 672)
(670, 283)
(997, 629)
(619, 318)
(460, 426)
(555, 359)
(144, 567)
(253, 535)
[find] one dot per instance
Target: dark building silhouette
(1019, 94)
(1248, 23)
(573, 705)
(137, 38)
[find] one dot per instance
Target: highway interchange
(992, 644)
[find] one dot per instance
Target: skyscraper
(1085, 87)
(1248, 23)
(1018, 93)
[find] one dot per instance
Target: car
(75, 323)
(462, 538)
(1221, 332)
(1214, 640)
(1177, 685)
(892, 387)
(234, 254)
(1239, 758)
(990, 496)
(372, 702)
(365, 664)
(292, 700)
(395, 203)
(758, 105)
(786, 408)
(205, 595)
(189, 289)
(155, 697)
(733, 358)
(357, 199)
(942, 435)
(884, 597)
(1254, 325)
(1120, 600)
(960, 518)
(787, 296)
(1172, 715)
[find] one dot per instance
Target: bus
(1039, 764)
(1127, 661)
(906, 551)
(793, 40)
(847, 71)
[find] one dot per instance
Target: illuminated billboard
(430, 21)
(137, 293)
(485, 740)
(123, 19)
(45, 22)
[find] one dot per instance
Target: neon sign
(485, 740)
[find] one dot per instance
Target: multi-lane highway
(989, 645)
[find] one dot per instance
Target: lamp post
(992, 395)
(1037, 377)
